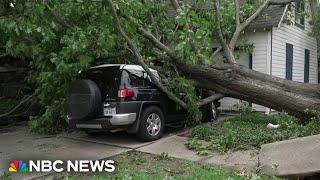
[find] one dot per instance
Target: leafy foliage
(186, 91)
(60, 38)
(316, 23)
(250, 131)
(51, 122)
(56, 52)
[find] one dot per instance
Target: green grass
(196, 172)
(167, 168)
(249, 131)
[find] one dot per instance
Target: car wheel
(151, 124)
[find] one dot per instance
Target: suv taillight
(125, 93)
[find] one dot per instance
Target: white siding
(269, 55)
(301, 40)
(261, 59)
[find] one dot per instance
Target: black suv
(117, 96)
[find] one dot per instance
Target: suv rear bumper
(123, 119)
(106, 122)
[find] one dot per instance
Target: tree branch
(140, 59)
(237, 8)
(215, 53)
(209, 99)
(237, 31)
(150, 14)
(151, 17)
(280, 2)
(58, 19)
(242, 26)
(228, 53)
(19, 105)
(148, 35)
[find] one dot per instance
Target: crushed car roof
(124, 66)
(135, 69)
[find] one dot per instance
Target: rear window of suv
(107, 79)
(128, 79)
(136, 78)
(111, 79)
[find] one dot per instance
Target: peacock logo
(18, 166)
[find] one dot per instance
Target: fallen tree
(233, 80)
(58, 39)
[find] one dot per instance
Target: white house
(283, 47)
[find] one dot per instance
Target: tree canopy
(60, 38)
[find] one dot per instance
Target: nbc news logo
(21, 166)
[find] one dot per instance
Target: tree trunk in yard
(240, 82)
(231, 79)
(234, 80)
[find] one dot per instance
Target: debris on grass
(273, 126)
(249, 131)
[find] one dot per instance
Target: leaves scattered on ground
(248, 131)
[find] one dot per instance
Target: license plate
(109, 111)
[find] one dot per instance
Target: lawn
(247, 131)
(138, 166)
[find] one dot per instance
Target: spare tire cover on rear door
(84, 99)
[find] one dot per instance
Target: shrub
(204, 132)
(51, 122)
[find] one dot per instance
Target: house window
(299, 18)
(289, 61)
(306, 65)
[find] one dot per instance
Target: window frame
(306, 65)
(289, 61)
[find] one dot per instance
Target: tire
(154, 115)
(84, 99)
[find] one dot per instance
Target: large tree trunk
(240, 82)
(231, 79)
(234, 80)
